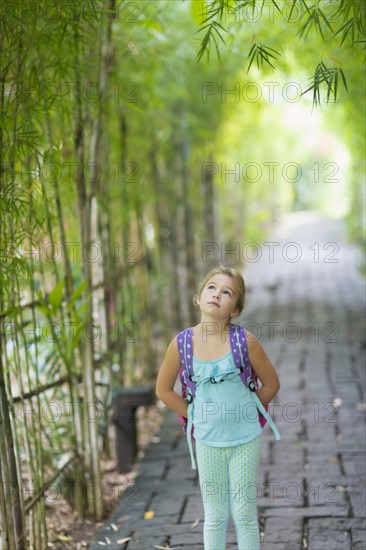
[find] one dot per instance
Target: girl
(226, 434)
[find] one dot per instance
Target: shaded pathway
(309, 315)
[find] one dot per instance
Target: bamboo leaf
(8, 312)
(331, 79)
(305, 29)
(346, 28)
(262, 54)
(209, 36)
(199, 11)
(45, 310)
(334, 59)
(343, 79)
(76, 294)
(266, 53)
(317, 24)
(77, 334)
(329, 89)
(252, 53)
(302, 3)
(55, 296)
(324, 19)
(276, 6)
(335, 89)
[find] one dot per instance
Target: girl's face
(218, 297)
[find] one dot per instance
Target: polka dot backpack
(238, 343)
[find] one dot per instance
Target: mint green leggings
(228, 482)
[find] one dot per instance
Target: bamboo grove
(108, 202)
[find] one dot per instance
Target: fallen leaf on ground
(122, 541)
(64, 538)
(149, 514)
(195, 523)
(114, 527)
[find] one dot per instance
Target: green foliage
(211, 36)
(353, 12)
(262, 54)
(314, 19)
(302, 4)
(331, 78)
(55, 296)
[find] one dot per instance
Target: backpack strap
(239, 350)
(238, 340)
(185, 348)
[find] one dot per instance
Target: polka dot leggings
(228, 477)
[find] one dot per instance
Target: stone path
(306, 303)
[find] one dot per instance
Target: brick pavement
(307, 306)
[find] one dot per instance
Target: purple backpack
(238, 343)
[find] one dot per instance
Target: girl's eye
(228, 292)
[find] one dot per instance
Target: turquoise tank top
(224, 411)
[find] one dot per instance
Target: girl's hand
(166, 379)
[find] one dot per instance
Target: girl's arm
(263, 368)
(166, 379)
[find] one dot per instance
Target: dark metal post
(126, 402)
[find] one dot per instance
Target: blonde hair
(238, 283)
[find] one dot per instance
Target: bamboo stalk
(13, 513)
(32, 501)
(79, 493)
(90, 441)
(7, 480)
(31, 438)
(4, 475)
(14, 535)
(190, 255)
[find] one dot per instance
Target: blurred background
(142, 143)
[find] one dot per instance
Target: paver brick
(307, 512)
(281, 546)
(324, 539)
(193, 509)
(284, 529)
(358, 502)
(359, 538)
